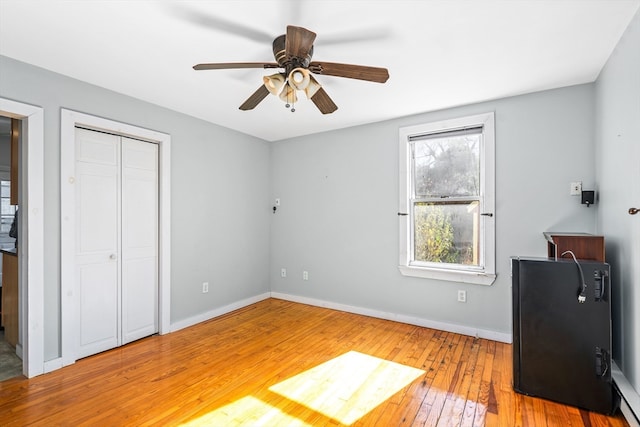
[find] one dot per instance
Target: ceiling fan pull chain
(293, 102)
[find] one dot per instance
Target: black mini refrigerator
(562, 332)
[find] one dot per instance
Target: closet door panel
(98, 312)
(97, 183)
(139, 239)
(96, 210)
(139, 299)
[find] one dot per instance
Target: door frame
(31, 250)
(69, 304)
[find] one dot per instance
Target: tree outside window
(446, 200)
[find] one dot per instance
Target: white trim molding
(461, 276)
(629, 397)
(203, 317)
(52, 365)
(402, 318)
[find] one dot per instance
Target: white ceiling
(440, 53)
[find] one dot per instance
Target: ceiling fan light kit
(274, 83)
(313, 87)
(299, 78)
(289, 96)
(293, 52)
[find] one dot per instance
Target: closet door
(97, 276)
(116, 275)
(139, 239)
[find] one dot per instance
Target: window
(7, 211)
(447, 204)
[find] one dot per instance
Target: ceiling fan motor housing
(289, 62)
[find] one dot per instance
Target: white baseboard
(402, 318)
(52, 365)
(630, 398)
(55, 364)
(185, 323)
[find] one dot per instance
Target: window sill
(478, 278)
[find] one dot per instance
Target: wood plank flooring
(278, 363)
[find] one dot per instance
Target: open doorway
(30, 253)
(10, 360)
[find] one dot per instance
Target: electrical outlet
(462, 296)
(576, 188)
(205, 287)
(283, 272)
(277, 202)
(305, 275)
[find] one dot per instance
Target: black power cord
(582, 295)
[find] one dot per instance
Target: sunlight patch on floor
(347, 387)
(344, 389)
(248, 411)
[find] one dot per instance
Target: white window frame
(485, 274)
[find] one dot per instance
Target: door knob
(112, 256)
(633, 211)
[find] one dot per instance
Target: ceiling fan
(293, 52)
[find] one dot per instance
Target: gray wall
(339, 202)
(618, 154)
(220, 216)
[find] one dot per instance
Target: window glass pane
(7, 211)
(6, 208)
(6, 189)
(6, 224)
(447, 166)
(447, 233)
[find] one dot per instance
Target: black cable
(605, 363)
(582, 296)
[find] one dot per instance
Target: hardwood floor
(281, 363)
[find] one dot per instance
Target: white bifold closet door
(116, 272)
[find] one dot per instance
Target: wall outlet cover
(462, 296)
(576, 188)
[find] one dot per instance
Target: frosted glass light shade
(299, 78)
(274, 83)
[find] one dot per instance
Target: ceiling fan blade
(299, 41)
(255, 99)
(231, 65)
(216, 23)
(360, 72)
(368, 34)
(323, 102)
